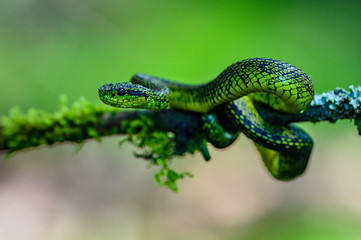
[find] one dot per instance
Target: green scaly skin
(229, 103)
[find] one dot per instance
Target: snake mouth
(104, 96)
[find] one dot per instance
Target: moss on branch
(159, 135)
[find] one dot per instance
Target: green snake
(233, 102)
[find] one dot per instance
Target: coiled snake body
(233, 102)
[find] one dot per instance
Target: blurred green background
(54, 47)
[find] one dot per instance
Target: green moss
(156, 146)
(20, 130)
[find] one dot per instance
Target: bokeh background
(54, 47)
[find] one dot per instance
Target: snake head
(129, 95)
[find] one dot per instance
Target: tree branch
(330, 106)
(158, 134)
(84, 120)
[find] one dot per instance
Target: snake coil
(232, 103)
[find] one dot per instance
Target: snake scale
(234, 102)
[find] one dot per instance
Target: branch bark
(84, 120)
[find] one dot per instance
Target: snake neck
(280, 85)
